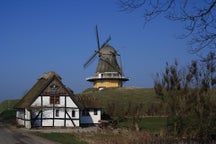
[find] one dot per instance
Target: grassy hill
(119, 101)
(115, 102)
(120, 96)
(7, 105)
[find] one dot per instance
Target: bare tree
(189, 95)
(198, 17)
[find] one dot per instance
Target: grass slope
(116, 102)
(122, 99)
(7, 105)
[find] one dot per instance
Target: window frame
(95, 112)
(73, 113)
(54, 99)
(57, 112)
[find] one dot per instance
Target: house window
(85, 112)
(54, 99)
(73, 113)
(57, 112)
(95, 112)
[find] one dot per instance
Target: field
(124, 101)
(118, 103)
(126, 106)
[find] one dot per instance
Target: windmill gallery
(49, 103)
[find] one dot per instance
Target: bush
(8, 116)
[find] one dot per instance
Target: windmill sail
(108, 72)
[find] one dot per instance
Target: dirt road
(12, 135)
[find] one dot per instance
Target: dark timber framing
(38, 103)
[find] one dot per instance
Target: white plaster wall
(70, 124)
(46, 102)
(77, 113)
(70, 103)
(27, 118)
(48, 112)
(97, 117)
(20, 117)
(47, 123)
(77, 123)
(37, 102)
(91, 118)
(58, 122)
(20, 122)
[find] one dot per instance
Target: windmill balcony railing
(106, 76)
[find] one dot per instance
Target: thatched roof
(39, 87)
(88, 101)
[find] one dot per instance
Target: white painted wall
(28, 119)
(59, 121)
(70, 103)
(91, 119)
(46, 102)
(48, 112)
(20, 116)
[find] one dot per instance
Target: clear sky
(38, 36)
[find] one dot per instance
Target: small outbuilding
(50, 104)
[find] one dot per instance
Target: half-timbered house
(50, 104)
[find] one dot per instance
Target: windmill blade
(115, 53)
(98, 41)
(90, 59)
(120, 64)
(118, 54)
(105, 43)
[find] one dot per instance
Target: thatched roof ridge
(88, 101)
(33, 93)
(38, 87)
(49, 75)
(82, 101)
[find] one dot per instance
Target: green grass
(119, 100)
(63, 138)
(153, 123)
(7, 105)
(150, 124)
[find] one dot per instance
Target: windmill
(109, 70)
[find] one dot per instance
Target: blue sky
(39, 36)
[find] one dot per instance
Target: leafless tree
(198, 17)
(189, 95)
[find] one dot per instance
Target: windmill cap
(107, 49)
